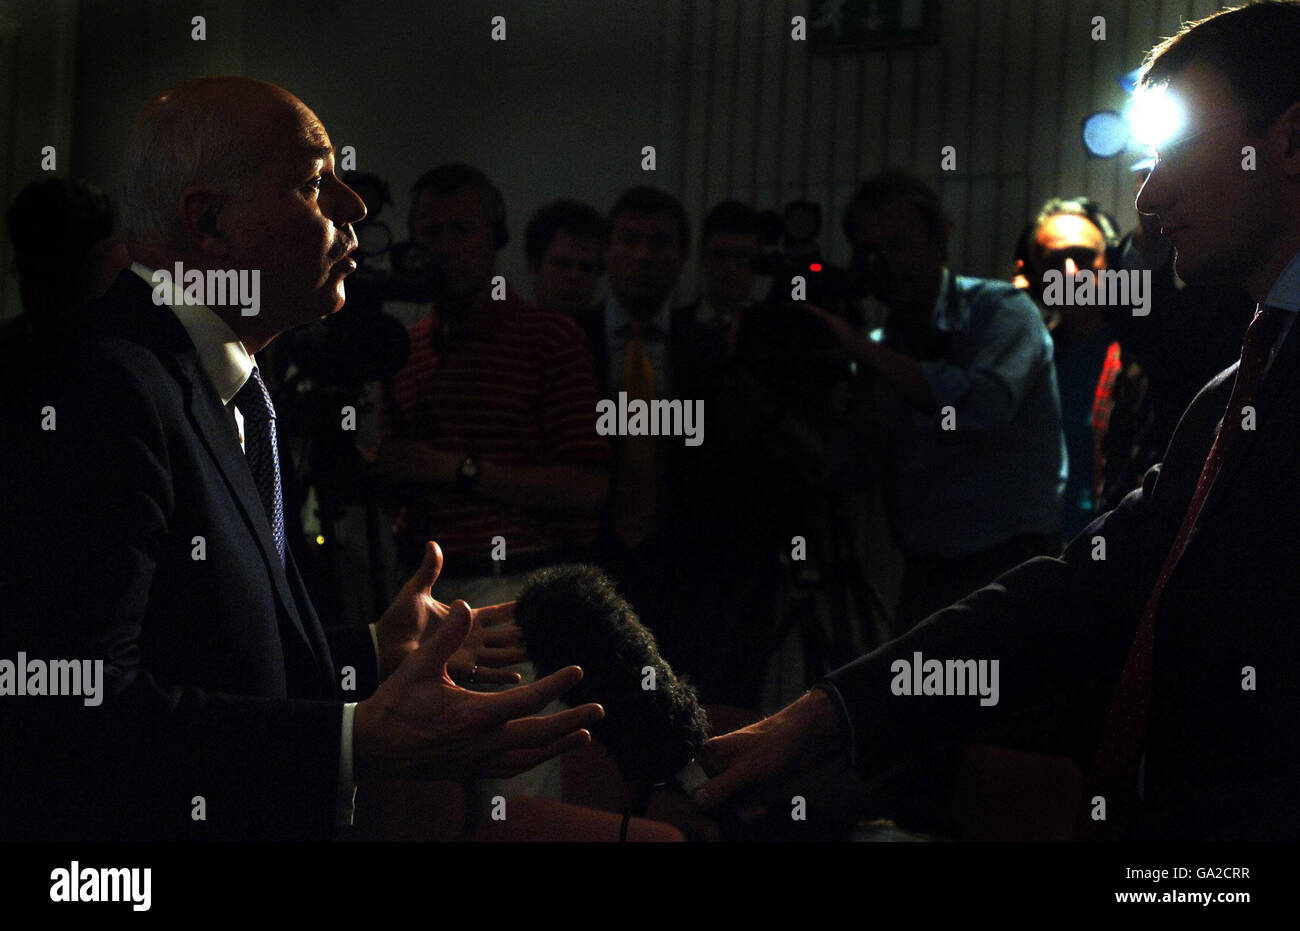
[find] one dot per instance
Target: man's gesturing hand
(493, 643)
(420, 723)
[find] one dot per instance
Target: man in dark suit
(646, 349)
(729, 246)
(1181, 599)
(147, 531)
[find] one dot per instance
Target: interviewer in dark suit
(141, 536)
(1218, 756)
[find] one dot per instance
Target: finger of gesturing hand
(432, 656)
(512, 762)
(535, 732)
(505, 635)
(485, 675)
(533, 697)
(500, 656)
(493, 615)
(430, 567)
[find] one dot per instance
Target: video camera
(779, 329)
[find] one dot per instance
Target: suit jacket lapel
(158, 328)
(213, 427)
(1276, 399)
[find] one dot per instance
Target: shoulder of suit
(1207, 404)
(124, 329)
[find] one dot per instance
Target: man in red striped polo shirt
(489, 432)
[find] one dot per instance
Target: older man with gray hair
(148, 532)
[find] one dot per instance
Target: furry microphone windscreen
(654, 724)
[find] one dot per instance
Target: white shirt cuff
(347, 794)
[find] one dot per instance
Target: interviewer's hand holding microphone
(420, 723)
(795, 738)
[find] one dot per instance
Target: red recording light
(815, 267)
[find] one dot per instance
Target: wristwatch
(467, 474)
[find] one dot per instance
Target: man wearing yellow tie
(648, 351)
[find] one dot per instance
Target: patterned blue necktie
(254, 402)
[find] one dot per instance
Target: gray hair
(179, 139)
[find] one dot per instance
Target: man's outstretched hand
(419, 723)
(494, 641)
(796, 737)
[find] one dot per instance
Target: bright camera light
(1155, 117)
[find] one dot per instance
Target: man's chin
(1191, 271)
(337, 298)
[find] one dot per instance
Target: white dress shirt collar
(1285, 293)
(617, 317)
(225, 359)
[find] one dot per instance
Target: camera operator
(965, 405)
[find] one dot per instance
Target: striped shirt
(518, 387)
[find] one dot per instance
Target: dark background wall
(565, 104)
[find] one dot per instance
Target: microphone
(653, 725)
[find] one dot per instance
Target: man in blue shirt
(1196, 593)
(966, 403)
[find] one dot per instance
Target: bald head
(236, 173)
(203, 131)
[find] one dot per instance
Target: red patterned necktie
(1115, 771)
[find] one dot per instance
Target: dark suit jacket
(220, 679)
(696, 354)
(695, 351)
(1222, 760)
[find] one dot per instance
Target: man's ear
(1284, 139)
(201, 219)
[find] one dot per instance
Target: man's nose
(349, 207)
(1152, 196)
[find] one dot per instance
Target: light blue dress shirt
(1001, 471)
